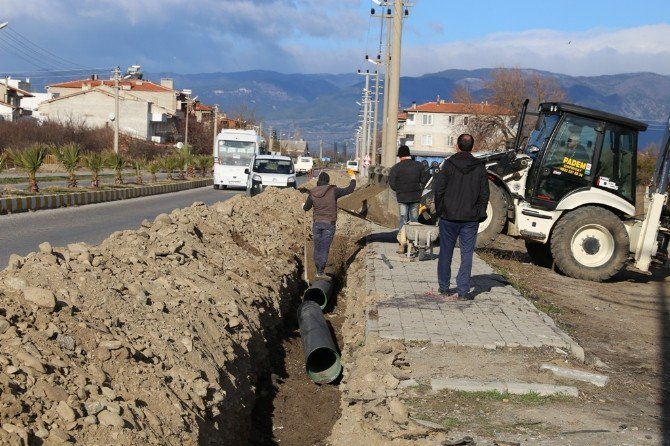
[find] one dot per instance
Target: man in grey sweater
(323, 198)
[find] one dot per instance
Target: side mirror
(246, 171)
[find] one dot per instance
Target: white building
(433, 128)
(11, 96)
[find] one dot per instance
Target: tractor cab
(575, 149)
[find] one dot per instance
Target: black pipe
(322, 361)
(319, 292)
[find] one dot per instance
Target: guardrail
(36, 202)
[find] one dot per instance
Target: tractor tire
(590, 243)
(496, 217)
(540, 254)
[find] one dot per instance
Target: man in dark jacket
(461, 196)
(407, 179)
(324, 198)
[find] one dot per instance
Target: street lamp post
(117, 78)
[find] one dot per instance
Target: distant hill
(323, 106)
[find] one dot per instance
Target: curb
(37, 202)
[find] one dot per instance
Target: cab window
(616, 169)
(567, 163)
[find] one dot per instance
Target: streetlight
(376, 63)
(3, 24)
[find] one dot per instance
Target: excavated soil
(181, 332)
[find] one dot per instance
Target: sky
(587, 37)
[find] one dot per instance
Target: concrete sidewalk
(410, 308)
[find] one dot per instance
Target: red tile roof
(459, 108)
(202, 107)
(133, 84)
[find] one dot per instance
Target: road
(22, 233)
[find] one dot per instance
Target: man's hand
(352, 174)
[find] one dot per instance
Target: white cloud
(594, 52)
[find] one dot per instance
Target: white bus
(233, 152)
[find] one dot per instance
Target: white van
(269, 170)
(352, 165)
(304, 165)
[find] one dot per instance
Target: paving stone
(580, 375)
(467, 385)
(541, 389)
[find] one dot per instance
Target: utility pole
(387, 66)
(364, 148)
(117, 78)
(188, 104)
(216, 122)
(320, 149)
(393, 88)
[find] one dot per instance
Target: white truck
(233, 152)
(304, 165)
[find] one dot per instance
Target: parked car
(269, 170)
(352, 165)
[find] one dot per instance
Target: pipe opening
(316, 295)
(323, 365)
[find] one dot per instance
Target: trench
(290, 409)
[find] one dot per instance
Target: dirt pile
(157, 335)
(376, 373)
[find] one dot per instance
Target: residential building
(11, 95)
(293, 148)
(146, 110)
(431, 129)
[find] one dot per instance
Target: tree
(30, 159)
(153, 167)
(3, 161)
(94, 162)
(69, 156)
(138, 165)
(493, 124)
(204, 163)
(170, 163)
(117, 162)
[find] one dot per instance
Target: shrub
(69, 156)
(153, 167)
(94, 162)
(117, 162)
(30, 159)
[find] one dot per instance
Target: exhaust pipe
(319, 292)
(322, 361)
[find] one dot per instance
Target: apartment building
(431, 129)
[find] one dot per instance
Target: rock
(40, 297)
(188, 343)
(93, 407)
(46, 248)
(4, 325)
(30, 361)
(59, 436)
(108, 392)
(110, 345)
(66, 342)
(399, 411)
(224, 207)
(103, 354)
(390, 381)
(18, 430)
(15, 262)
(162, 219)
(15, 283)
(65, 412)
(52, 392)
(91, 419)
(107, 418)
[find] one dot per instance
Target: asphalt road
(22, 233)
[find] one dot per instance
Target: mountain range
(322, 107)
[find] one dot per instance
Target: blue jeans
(408, 212)
(323, 237)
(449, 232)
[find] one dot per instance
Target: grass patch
(485, 413)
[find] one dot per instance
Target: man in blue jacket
(407, 179)
(461, 196)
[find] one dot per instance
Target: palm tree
(186, 155)
(153, 167)
(117, 162)
(204, 163)
(69, 156)
(139, 164)
(30, 159)
(94, 162)
(170, 163)
(3, 161)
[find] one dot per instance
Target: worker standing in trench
(323, 198)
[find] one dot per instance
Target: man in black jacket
(407, 178)
(324, 198)
(461, 196)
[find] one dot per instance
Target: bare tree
(492, 124)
